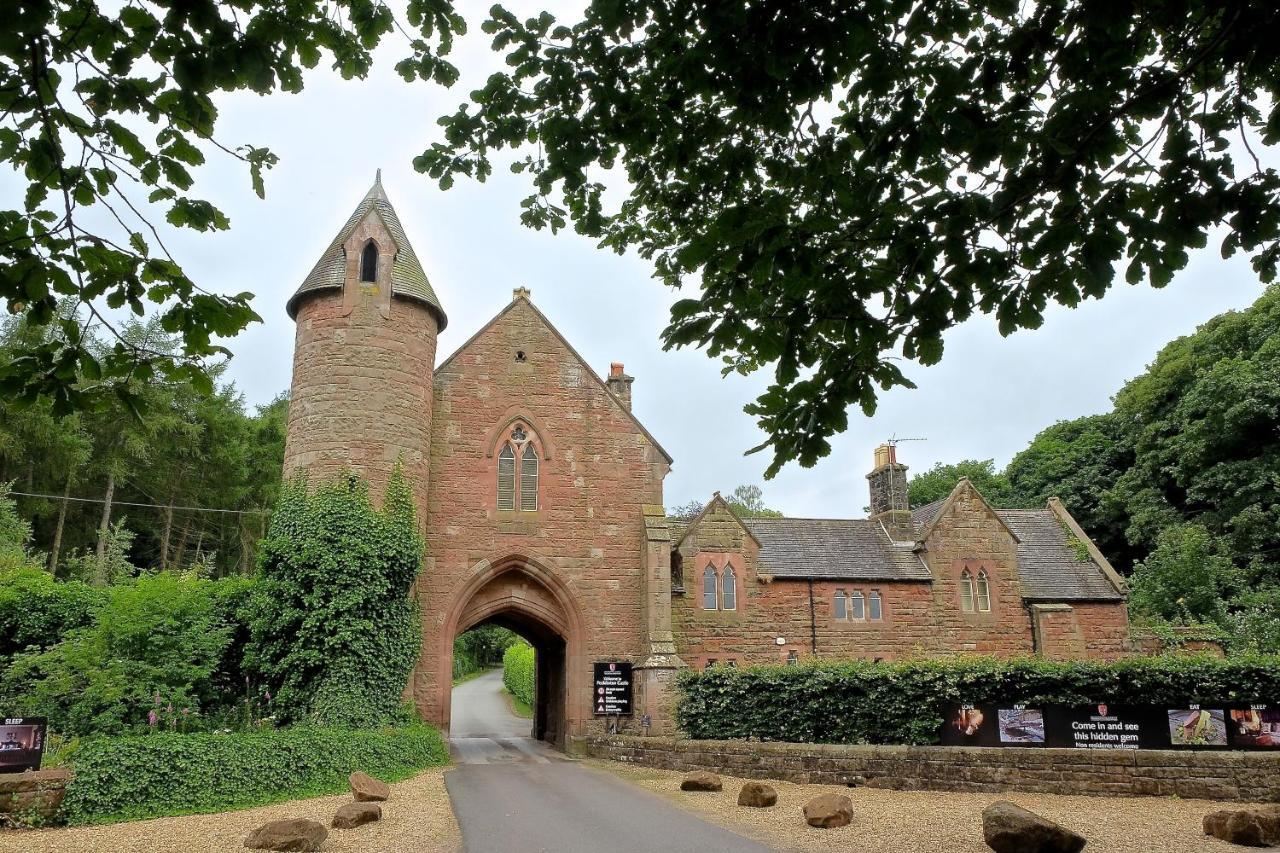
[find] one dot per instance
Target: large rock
(351, 815)
(757, 795)
(1254, 827)
(294, 834)
(1011, 829)
(829, 811)
(367, 789)
(701, 781)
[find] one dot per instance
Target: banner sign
(1190, 726)
(612, 689)
(21, 744)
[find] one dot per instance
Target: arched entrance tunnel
(523, 597)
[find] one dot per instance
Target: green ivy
(334, 635)
(517, 672)
(903, 703)
(132, 778)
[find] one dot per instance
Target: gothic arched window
(529, 479)
(857, 605)
(840, 605)
(507, 477)
(710, 589)
(728, 589)
(984, 592)
(369, 262)
(966, 591)
(875, 606)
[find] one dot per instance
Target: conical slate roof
(407, 277)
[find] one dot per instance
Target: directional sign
(611, 694)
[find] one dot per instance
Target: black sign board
(1104, 726)
(21, 744)
(612, 692)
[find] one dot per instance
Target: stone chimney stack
(889, 506)
(620, 384)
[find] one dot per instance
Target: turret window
(369, 262)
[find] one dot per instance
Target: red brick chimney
(620, 384)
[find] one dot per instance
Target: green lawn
(518, 705)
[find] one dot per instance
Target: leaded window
(966, 591)
(529, 479)
(507, 477)
(984, 592)
(729, 590)
(710, 590)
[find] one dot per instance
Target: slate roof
(859, 549)
(847, 549)
(1048, 562)
(407, 276)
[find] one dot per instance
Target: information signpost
(612, 691)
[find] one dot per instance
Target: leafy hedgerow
(517, 672)
(902, 703)
(131, 778)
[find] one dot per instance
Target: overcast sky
(987, 399)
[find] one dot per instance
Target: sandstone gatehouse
(540, 497)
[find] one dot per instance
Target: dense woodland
(125, 492)
(1179, 484)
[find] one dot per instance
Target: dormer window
(369, 262)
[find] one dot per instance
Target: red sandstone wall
(598, 469)
(1085, 630)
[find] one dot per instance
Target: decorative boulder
(701, 781)
(829, 811)
(367, 789)
(757, 795)
(294, 834)
(1011, 829)
(1255, 827)
(352, 815)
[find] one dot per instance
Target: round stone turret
(364, 355)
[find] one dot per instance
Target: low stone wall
(1242, 776)
(32, 797)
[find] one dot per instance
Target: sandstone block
(828, 811)
(351, 815)
(701, 781)
(1011, 829)
(757, 795)
(1255, 827)
(365, 788)
(295, 834)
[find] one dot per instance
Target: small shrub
(37, 611)
(902, 703)
(132, 778)
(517, 672)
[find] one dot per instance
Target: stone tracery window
(369, 262)
(518, 472)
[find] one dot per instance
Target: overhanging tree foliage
(104, 112)
(844, 182)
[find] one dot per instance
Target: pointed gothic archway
(520, 593)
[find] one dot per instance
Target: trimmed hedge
(517, 672)
(902, 703)
(131, 778)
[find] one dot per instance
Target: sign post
(611, 695)
(21, 744)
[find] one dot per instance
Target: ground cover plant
(902, 703)
(132, 778)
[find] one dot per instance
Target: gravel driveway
(417, 818)
(935, 821)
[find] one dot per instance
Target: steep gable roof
(1050, 565)
(522, 298)
(689, 525)
(408, 279)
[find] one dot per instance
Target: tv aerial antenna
(893, 441)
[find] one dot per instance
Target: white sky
(986, 399)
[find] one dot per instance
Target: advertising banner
(21, 744)
(1105, 726)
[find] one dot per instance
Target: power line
(153, 506)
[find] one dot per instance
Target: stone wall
(33, 797)
(1241, 776)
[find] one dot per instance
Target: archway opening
(527, 600)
